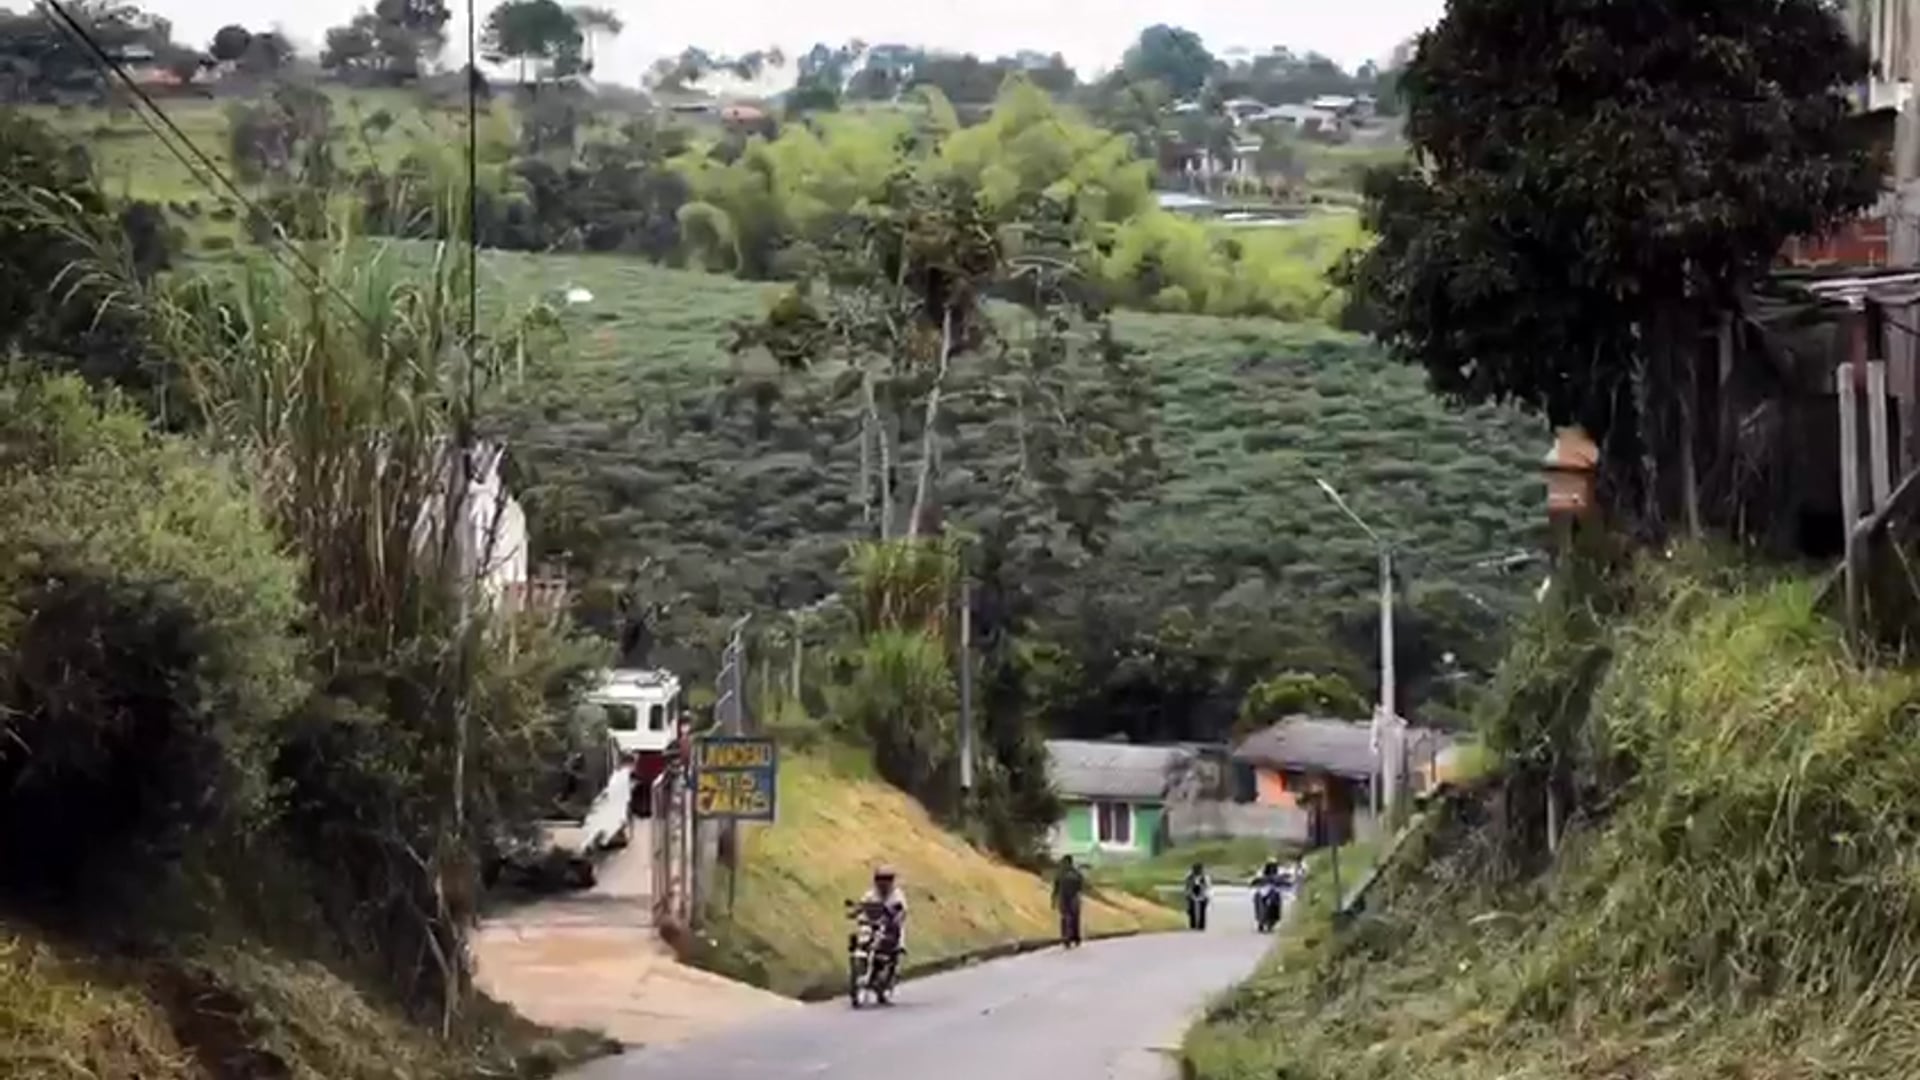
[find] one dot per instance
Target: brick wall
(1861, 242)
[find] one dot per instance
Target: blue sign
(735, 779)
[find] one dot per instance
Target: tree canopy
(1594, 179)
(1172, 56)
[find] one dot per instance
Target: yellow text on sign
(740, 755)
(732, 794)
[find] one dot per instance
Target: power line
(195, 159)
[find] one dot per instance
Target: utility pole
(1386, 721)
(966, 690)
(1389, 718)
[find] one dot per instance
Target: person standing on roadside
(1199, 891)
(1068, 884)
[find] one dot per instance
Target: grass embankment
(837, 821)
(1746, 907)
(234, 1012)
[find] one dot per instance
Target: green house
(1115, 796)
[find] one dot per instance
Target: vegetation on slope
(238, 694)
(726, 487)
(1741, 903)
(233, 1012)
(838, 820)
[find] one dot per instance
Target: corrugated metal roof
(1112, 770)
(1340, 747)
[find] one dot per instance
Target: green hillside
(645, 439)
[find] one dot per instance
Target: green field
(645, 438)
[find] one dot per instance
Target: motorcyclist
(1199, 892)
(888, 894)
(1270, 877)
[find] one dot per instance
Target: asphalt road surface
(1111, 1010)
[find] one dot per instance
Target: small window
(622, 717)
(1115, 823)
(657, 718)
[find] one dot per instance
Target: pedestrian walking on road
(1199, 890)
(1068, 884)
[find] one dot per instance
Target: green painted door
(1146, 827)
(1079, 828)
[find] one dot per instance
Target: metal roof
(1113, 770)
(1340, 747)
(1318, 744)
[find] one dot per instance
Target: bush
(903, 702)
(147, 655)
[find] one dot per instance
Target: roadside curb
(825, 991)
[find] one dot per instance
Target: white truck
(645, 713)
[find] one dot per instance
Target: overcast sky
(1091, 33)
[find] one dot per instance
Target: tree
(266, 54)
(350, 47)
(1598, 184)
(965, 79)
(388, 42)
(695, 64)
(594, 22)
(1172, 56)
(531, 30)
(231, 42)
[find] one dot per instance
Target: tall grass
(352, 394)
(1741, 900)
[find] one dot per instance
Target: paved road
(1113, 1010)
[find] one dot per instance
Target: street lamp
(1384, 713)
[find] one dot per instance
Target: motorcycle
(873, 953)
(1266, 906)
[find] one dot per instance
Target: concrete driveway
(1113, 1010)
(594, 960)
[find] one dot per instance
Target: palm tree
(594, 21)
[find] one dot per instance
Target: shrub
(902, 701)
(146, 650)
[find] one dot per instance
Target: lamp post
(1386, 766)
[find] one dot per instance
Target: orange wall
(1270, 789)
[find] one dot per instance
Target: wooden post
(1844, 385)
(1879, 469)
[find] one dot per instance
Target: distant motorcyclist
(1068, 884)
(887, 894)
(1269, 886)
(1199, 892)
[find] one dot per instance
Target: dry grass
(234, 1012)
(789, 929)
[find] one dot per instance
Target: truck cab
(645, 713)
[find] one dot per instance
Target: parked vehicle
(873, 953)
(588, 816)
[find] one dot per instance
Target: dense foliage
(1598, 185)
(656, 465)
(148, 657)
(185, 636)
